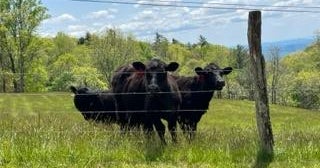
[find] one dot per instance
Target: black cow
(118, 81)
(197, 91)
(120, 77)
(148, 95)
(95, 105)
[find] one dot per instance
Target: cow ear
(139, 66)
(199, 71)
(73, 89)
(173, 66)
(227, 70)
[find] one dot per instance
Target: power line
(240, 6)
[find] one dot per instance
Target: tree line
(31, 63)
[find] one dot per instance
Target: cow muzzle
(220, 85)
(153, 88)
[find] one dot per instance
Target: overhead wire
(238, 6)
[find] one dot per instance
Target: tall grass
(47, 131)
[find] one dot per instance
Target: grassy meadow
(45, 130)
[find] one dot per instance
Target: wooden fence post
(260, 83)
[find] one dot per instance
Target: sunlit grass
(47, 131)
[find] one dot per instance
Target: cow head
(84, 98)
(76, 91)
(155, 73)
(212, 74)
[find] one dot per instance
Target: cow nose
(153, 88)
(221, 83)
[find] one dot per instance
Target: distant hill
(287, 46)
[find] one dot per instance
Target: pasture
(45, 130)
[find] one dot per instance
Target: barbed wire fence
(190, 4)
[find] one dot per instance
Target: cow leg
(148, 127)
(122, 122)
(183, 128)
(192, 131)
(172, 125)
(160, 127)
(188, 130)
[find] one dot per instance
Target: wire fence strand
(103, 112)
(102, 93)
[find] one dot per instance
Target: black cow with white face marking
(151, 94)
(99, 106)
(197, 91)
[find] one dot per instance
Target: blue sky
(220, 26)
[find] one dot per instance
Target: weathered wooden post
(260, 83)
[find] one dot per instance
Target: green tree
(160, 46)
(62, 44)
(177, 42)
(60, 72)
(5, 74)
(112, 49)
(243, 75)
(204, 45)
(70, 69)
(37, 77)
(274, 72)
(145, 51)
(306, 90)
(71, 64)
(37, 73)
(299, 84)
(85, 40)
(182, 55)
(19, 20)
(317, 39)
(202, 41)
(88, 76)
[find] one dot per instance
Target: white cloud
(97, 24)
(113, 10)
(146, 20)
(60, 19)
(105, 27)
(145, 15)
(77, 33)
(167, 2)
(77, 28)
(293, 2)
(80, 30)
(47, 34)
(134, 26)
(183, 18)
(102, 14)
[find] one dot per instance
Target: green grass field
(47, 131)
